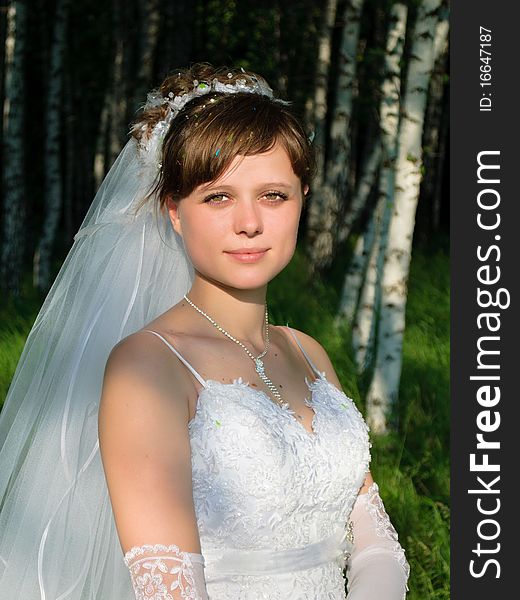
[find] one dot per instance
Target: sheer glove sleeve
(377, 568)
(166, 573)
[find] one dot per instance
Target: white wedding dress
(273, 503)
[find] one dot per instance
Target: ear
(305, 190)
(173, 212)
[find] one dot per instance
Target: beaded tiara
(150, 145)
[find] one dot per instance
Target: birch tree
(384, 386)
(117, 100)
(356, 270)
(318, 106)
(332, 189)
(149, 21)
(13, 229)
(365, 322)
(435, 133)
(52, 153)
(365, 185)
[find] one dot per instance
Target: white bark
(13, 217)
(365, 323)
(117, 100)
(331, 190)
(354, 278)
(365, 185)
(319, 106)
(383, 390)
(52, 155)
(150, 22)
(362, 329)
(357, 266)
(100, 156)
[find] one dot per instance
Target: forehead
(273, 166)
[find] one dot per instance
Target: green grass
(411, 465)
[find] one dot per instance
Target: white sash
(222, 562)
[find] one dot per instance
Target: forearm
(377, 568)
(166, 572)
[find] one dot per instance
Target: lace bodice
(263, 486)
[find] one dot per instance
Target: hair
(212, 129)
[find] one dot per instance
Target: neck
(239, 312)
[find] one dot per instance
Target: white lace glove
(166, 573)
(377, 568)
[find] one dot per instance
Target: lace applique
(163, 573)
(384, 527)
(260, 482)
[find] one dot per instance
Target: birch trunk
(434, 136)
(52, 158)
(354, 279)
(13, 217)
(319, 104)
(365, 322)
(150, 20)
(325, 213)
(354, 276)
(384, 386)
(70, 156)
(365, 185)
(365, 316)
(101, 151)
(117, 99)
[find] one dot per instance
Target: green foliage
(411, 466)
(16, 319)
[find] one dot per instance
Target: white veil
(57, 535)
(127, 266)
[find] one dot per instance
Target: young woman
(235, 465)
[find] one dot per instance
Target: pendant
(259, 365)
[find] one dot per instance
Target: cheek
(287, 224)
(201, 239)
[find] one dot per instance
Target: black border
(473, 131)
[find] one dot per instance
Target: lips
(248, 255)
(247, 250)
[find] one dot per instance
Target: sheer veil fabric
(57, 535)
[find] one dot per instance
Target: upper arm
(366, 484)
(145, 448)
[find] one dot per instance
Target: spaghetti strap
(318, 373)
(180, 357)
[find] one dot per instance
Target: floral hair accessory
(151, 145)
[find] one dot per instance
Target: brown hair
(212, 129)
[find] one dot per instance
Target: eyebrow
(269, 184)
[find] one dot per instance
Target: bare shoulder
(140, 374)
(144, 444)
(318, 355)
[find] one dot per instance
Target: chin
(245, 277)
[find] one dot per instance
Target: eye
(276, 196)
(212, 199)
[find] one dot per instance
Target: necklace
(259, 365)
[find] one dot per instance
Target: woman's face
(255, 205)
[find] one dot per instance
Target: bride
(160, 434)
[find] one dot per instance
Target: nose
(248, 217)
